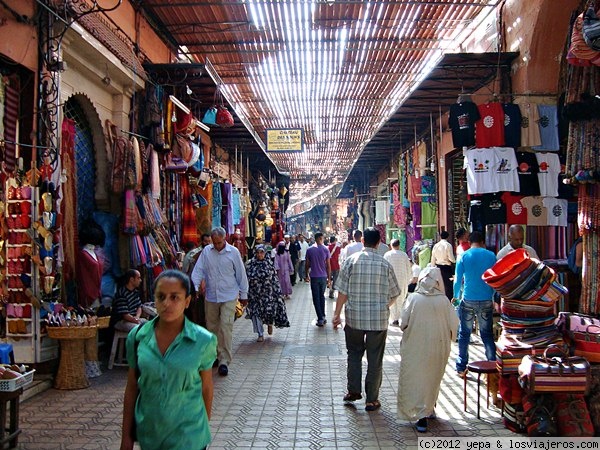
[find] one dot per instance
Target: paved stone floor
(283, 393)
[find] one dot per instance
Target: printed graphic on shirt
(524, 168)
(481, 165)
(488, 121)
(464, 121)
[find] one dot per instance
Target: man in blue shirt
(476, 300)
(318, 267)
(220, 275)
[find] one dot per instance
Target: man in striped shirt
(127, 306)
(367, 285)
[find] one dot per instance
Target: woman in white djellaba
(429, 323)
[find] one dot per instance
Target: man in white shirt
(442, 256)
(355, 246)
(302, 255)
(516, 236)
(403, 271)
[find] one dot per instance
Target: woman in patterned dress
(265, 300)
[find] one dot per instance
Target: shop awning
(456, 73)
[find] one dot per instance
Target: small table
(71, 368)
(13, 429)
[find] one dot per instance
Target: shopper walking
(367, 286)
(476, 300)
(334, 252)
(265, 300)
(442, 256)
(220, 275)
(403, 271)
(170, 374)
(429, 324)
(295, 256)
(302, 274)
(318, 268)
(283, 266)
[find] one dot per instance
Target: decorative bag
(567, 322)
(512, 417)
(587, 344)
(182, 148)
(572, 416)
(591, 27)
(239, 310)
(579, 50)
(557, 374)
(210, 116)
(224, 117)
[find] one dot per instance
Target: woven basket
(103, 322)
(72, 332)
(71, 369)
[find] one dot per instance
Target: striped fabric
(567, 374)
(11, 115)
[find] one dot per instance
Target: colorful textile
(216, 205)
(489, 129)
(189, 229)
(236, 208)
(428, 217)
(11, 117)
(227, 208)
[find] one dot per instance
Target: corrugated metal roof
(338, 69)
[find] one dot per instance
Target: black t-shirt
(512, 125)
(476, 217)
(494, 209)
(462, 122)
(528, 169)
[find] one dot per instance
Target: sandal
(373, 406)
(352, 396)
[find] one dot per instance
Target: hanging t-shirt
(494, 209)
(528, 169)
(476, 218)
(506, 169)
(516, 213)
(548, 126)
(557, 211)
(489, 129)
(530, 132)
(481, 176)
(512, 125)
(537, 214)
(462, 123)
(549, 168)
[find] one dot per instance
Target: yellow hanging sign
(285, 140)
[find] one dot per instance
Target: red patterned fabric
(189, 227)
(68, 212)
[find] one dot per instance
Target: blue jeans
(302, 269)
(467, 310)
(357, 342)
(317, 287)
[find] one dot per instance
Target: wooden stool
(118, 344)
(479, 367)
(13, 429)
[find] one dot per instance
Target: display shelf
(26, 319)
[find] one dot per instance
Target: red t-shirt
(516, 213)
(335, 256)
(489, 129)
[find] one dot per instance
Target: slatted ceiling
(338, 70)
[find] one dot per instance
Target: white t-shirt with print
(506, 169)
(548, 174)
(481, 176)
(537, 215)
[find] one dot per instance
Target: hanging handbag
(182, 148)
(210, 116)
(591, 27)
(224, 117)
(541, 374)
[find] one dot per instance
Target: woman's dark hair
(280, 249)
(185, 281)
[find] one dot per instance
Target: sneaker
(223, 370)
(319, 323)
(324, 321)
(260, 339)
(396, 323)
(422, 425)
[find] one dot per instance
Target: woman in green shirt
(169, 390)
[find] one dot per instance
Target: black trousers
(447, 273)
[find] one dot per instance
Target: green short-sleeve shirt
(169, 411)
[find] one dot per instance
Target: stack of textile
(529, 291)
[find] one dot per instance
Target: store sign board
(285, 140)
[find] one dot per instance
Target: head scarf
(430, 282)
(260, 248)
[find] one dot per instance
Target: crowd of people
(377, 287)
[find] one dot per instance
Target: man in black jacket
(294, 248)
